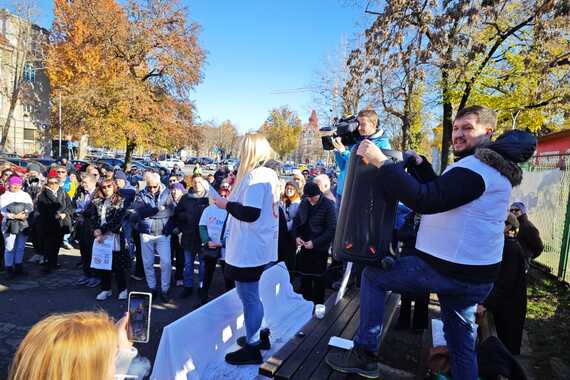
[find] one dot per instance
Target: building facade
(22, 48)
(310, 148)
(554, 143)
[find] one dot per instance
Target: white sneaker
(123, 295)
(104, 295)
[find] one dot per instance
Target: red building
(554, 143)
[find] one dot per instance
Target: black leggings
(121, 263)
(209, 269)
(315, 263)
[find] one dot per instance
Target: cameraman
(460, 238)
(367, 129)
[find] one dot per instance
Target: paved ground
(26, 300)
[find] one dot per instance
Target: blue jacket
(153, 213)
(342, 158)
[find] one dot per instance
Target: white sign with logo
(102, 257)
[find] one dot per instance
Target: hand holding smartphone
(138, 328)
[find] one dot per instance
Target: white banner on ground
(102, 256)
(194, 346)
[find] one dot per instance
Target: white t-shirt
(254, 244)
(213, 218)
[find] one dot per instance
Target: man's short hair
(485, 116)
(370, 114)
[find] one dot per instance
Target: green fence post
(565, 246)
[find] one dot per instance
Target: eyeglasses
(61, 172)
(107, 186)
(225, 187)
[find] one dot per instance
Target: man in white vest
(460, 238)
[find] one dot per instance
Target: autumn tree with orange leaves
(125, 72)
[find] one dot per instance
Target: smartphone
(139, 316)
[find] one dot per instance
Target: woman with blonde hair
(251, 240)
(71, 346)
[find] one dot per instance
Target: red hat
(52, 173)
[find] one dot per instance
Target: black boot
(264, 342)
(10, 273)
(19, 270)
(245, 355)
(203, 295)
(186, 292)
(357, 361)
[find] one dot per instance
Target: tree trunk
(447, 120)
(405, 134)
(130, 148)
(6, 129)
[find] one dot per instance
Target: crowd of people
(451, 229)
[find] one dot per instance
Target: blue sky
(256, 47)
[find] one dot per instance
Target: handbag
(208, 253)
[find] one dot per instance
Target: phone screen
(139, 316)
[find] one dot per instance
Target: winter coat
(187, 217)
(316, 223)
(529, 238)
(15, 226)
(48, 206)
(152, 213)
(114, 215)
(286, 246)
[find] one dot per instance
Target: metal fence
(545, 191)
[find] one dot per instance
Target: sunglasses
(153, 187)
(226, 187)
(514, 210)
(61, 172)
(53, 182)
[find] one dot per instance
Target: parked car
(170, 162)
(142, 165)
(112, 162)
(191, 160)
(205, 160)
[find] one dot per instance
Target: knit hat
(15, 180)
(52, 173)
(311, 189)
(33, 167)
(512, 221)
(520, 206)
(177, 186)
(119, 174)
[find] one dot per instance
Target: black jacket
(316, 223)
(114, 215)
(48, 206)
(187, 217)
(529, 238)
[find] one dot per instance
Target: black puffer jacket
(186, 218)
(114, 215)
(316, 223)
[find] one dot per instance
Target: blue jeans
(188, 275)
(458, 302)
(248, 293)
(15, 245)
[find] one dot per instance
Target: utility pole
(59, 116)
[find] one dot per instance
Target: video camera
(345, 128)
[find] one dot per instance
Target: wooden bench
(303, 356)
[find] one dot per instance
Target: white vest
(471, 234)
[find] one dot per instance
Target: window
(29, 134)
(28, 109)
(29, 73)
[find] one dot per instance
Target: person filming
(459, 242)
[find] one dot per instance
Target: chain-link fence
(546, 193)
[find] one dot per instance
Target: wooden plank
(290, 366)
(270, 367)
(317, 354)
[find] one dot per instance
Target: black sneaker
(356, 361)
(264, 342)
(245, 355)
(186, 292)
(165, 297)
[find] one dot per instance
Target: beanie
(311, 189)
